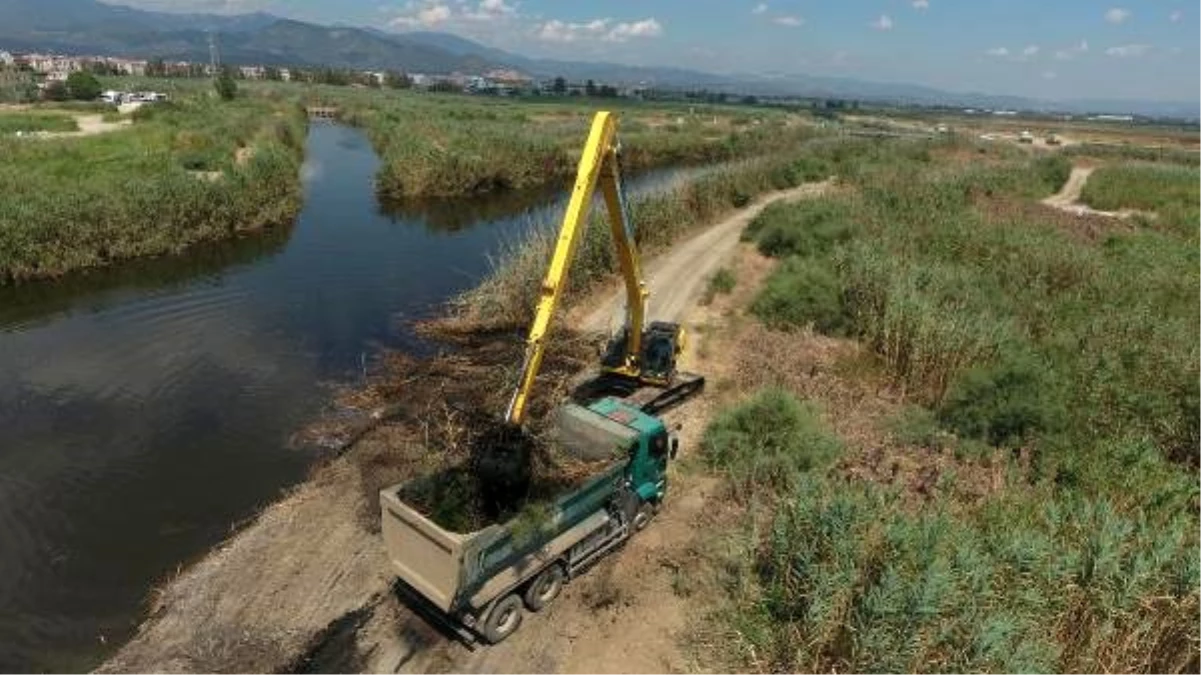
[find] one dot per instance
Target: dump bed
(457, 570)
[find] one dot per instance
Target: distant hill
(93, 27)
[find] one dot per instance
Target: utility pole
(214, 56)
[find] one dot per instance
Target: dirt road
(678, 277)
(306, 586)
(1068, 197)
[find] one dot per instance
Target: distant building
(1112, 118)
(253, 72)
(6, 58)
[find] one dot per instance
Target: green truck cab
(483, 579)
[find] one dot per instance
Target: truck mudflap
(529, 565)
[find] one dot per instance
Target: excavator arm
(598, 163)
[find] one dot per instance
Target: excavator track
(648, 398)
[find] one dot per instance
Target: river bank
(230, 612)
(180, 174)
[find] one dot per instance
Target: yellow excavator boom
(599, 162)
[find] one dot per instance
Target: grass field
(1171, 192)
(27, 121)
(1071, 362)
(72, 203)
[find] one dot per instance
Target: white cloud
(921, 4)
(997, 51)
(430, 13)
(598, 29)
(646, 28)
(1030, 50)
(1117, 15)
(1175, 16)
(759, 8)
(882, 23)
(562, 31)
(1069, 53)
(427, 15)
(1125, 51)
(788, 20)
(1049, 75)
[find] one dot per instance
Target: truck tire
(503, 620)
(544, 588)
(642, 518)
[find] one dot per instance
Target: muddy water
(146, 409)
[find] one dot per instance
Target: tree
(397, 80)
(83, 86)
(590, 88)
(227, 89)
(56, 91)
(272, 73)
(560, 86)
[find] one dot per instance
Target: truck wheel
(503, 620)
(544, 588)
(646, 511)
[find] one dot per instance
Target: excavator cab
(662, 343)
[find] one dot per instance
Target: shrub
(1053, 171)
(806, 228)
(803, 291)
(722, 281)
(83, 86)
(1004, 403)
(769, 441)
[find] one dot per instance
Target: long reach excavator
(640, 357)
(480, 583)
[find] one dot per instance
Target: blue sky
(1123, 49)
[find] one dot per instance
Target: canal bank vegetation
(507, 296)
(975, 442)
(441, 145)
(187, 171)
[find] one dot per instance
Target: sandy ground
(305, 578)
(89, 125)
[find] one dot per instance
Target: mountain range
(93, 27)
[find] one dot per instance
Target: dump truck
(483, 581)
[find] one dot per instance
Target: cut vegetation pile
(443, 413)
(1066, 368)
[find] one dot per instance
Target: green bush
(803, 291)
(1053, 170)
(1004, 403)
(769, 441)
(83, 86)
(722, 281)
(918, 426)
(808, 228)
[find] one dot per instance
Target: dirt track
(89, 125)
(307, 578)
(678, 277)
(1068, 197)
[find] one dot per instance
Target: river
(145, 410)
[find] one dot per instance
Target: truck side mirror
(675, 447)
